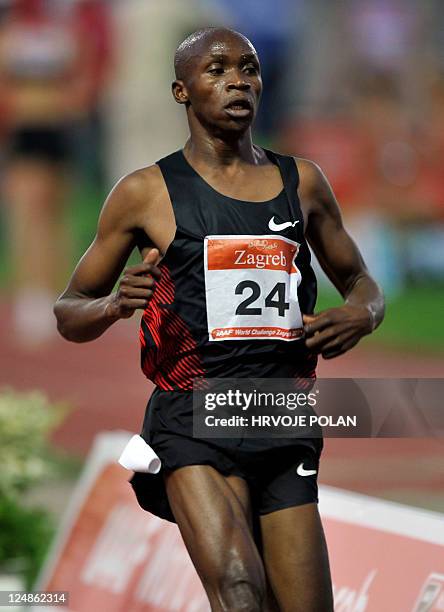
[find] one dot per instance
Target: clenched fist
(135, 287)
(334, 331)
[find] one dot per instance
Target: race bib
(251, 286)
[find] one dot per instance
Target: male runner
(204, 220)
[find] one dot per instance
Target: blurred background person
(47, 81)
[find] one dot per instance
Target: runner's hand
(336, 330)
(135, 287)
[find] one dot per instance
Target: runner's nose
(239, 82)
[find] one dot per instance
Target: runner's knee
(240, 588)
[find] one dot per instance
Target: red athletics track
(106, 389)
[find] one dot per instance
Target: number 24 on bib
(251, 286)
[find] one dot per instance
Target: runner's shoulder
(310, 174)
(133, 196)
(140, 186)
(314, 187)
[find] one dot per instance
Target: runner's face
(224, 84)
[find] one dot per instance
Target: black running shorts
(280, 472)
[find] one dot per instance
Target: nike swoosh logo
(303, 472)
(277, 227)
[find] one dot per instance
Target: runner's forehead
(229, 47)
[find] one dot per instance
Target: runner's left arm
(336, 330)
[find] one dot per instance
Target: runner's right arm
(88, 306)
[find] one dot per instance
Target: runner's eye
(216, 70)
(251, 69)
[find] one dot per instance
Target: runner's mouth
(239, 108)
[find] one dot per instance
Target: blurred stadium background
(355, 85)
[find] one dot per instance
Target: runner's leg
(296, 559)
(213, 515)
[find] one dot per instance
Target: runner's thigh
(296, 559)
(212, 512)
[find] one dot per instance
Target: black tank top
(235, 281)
